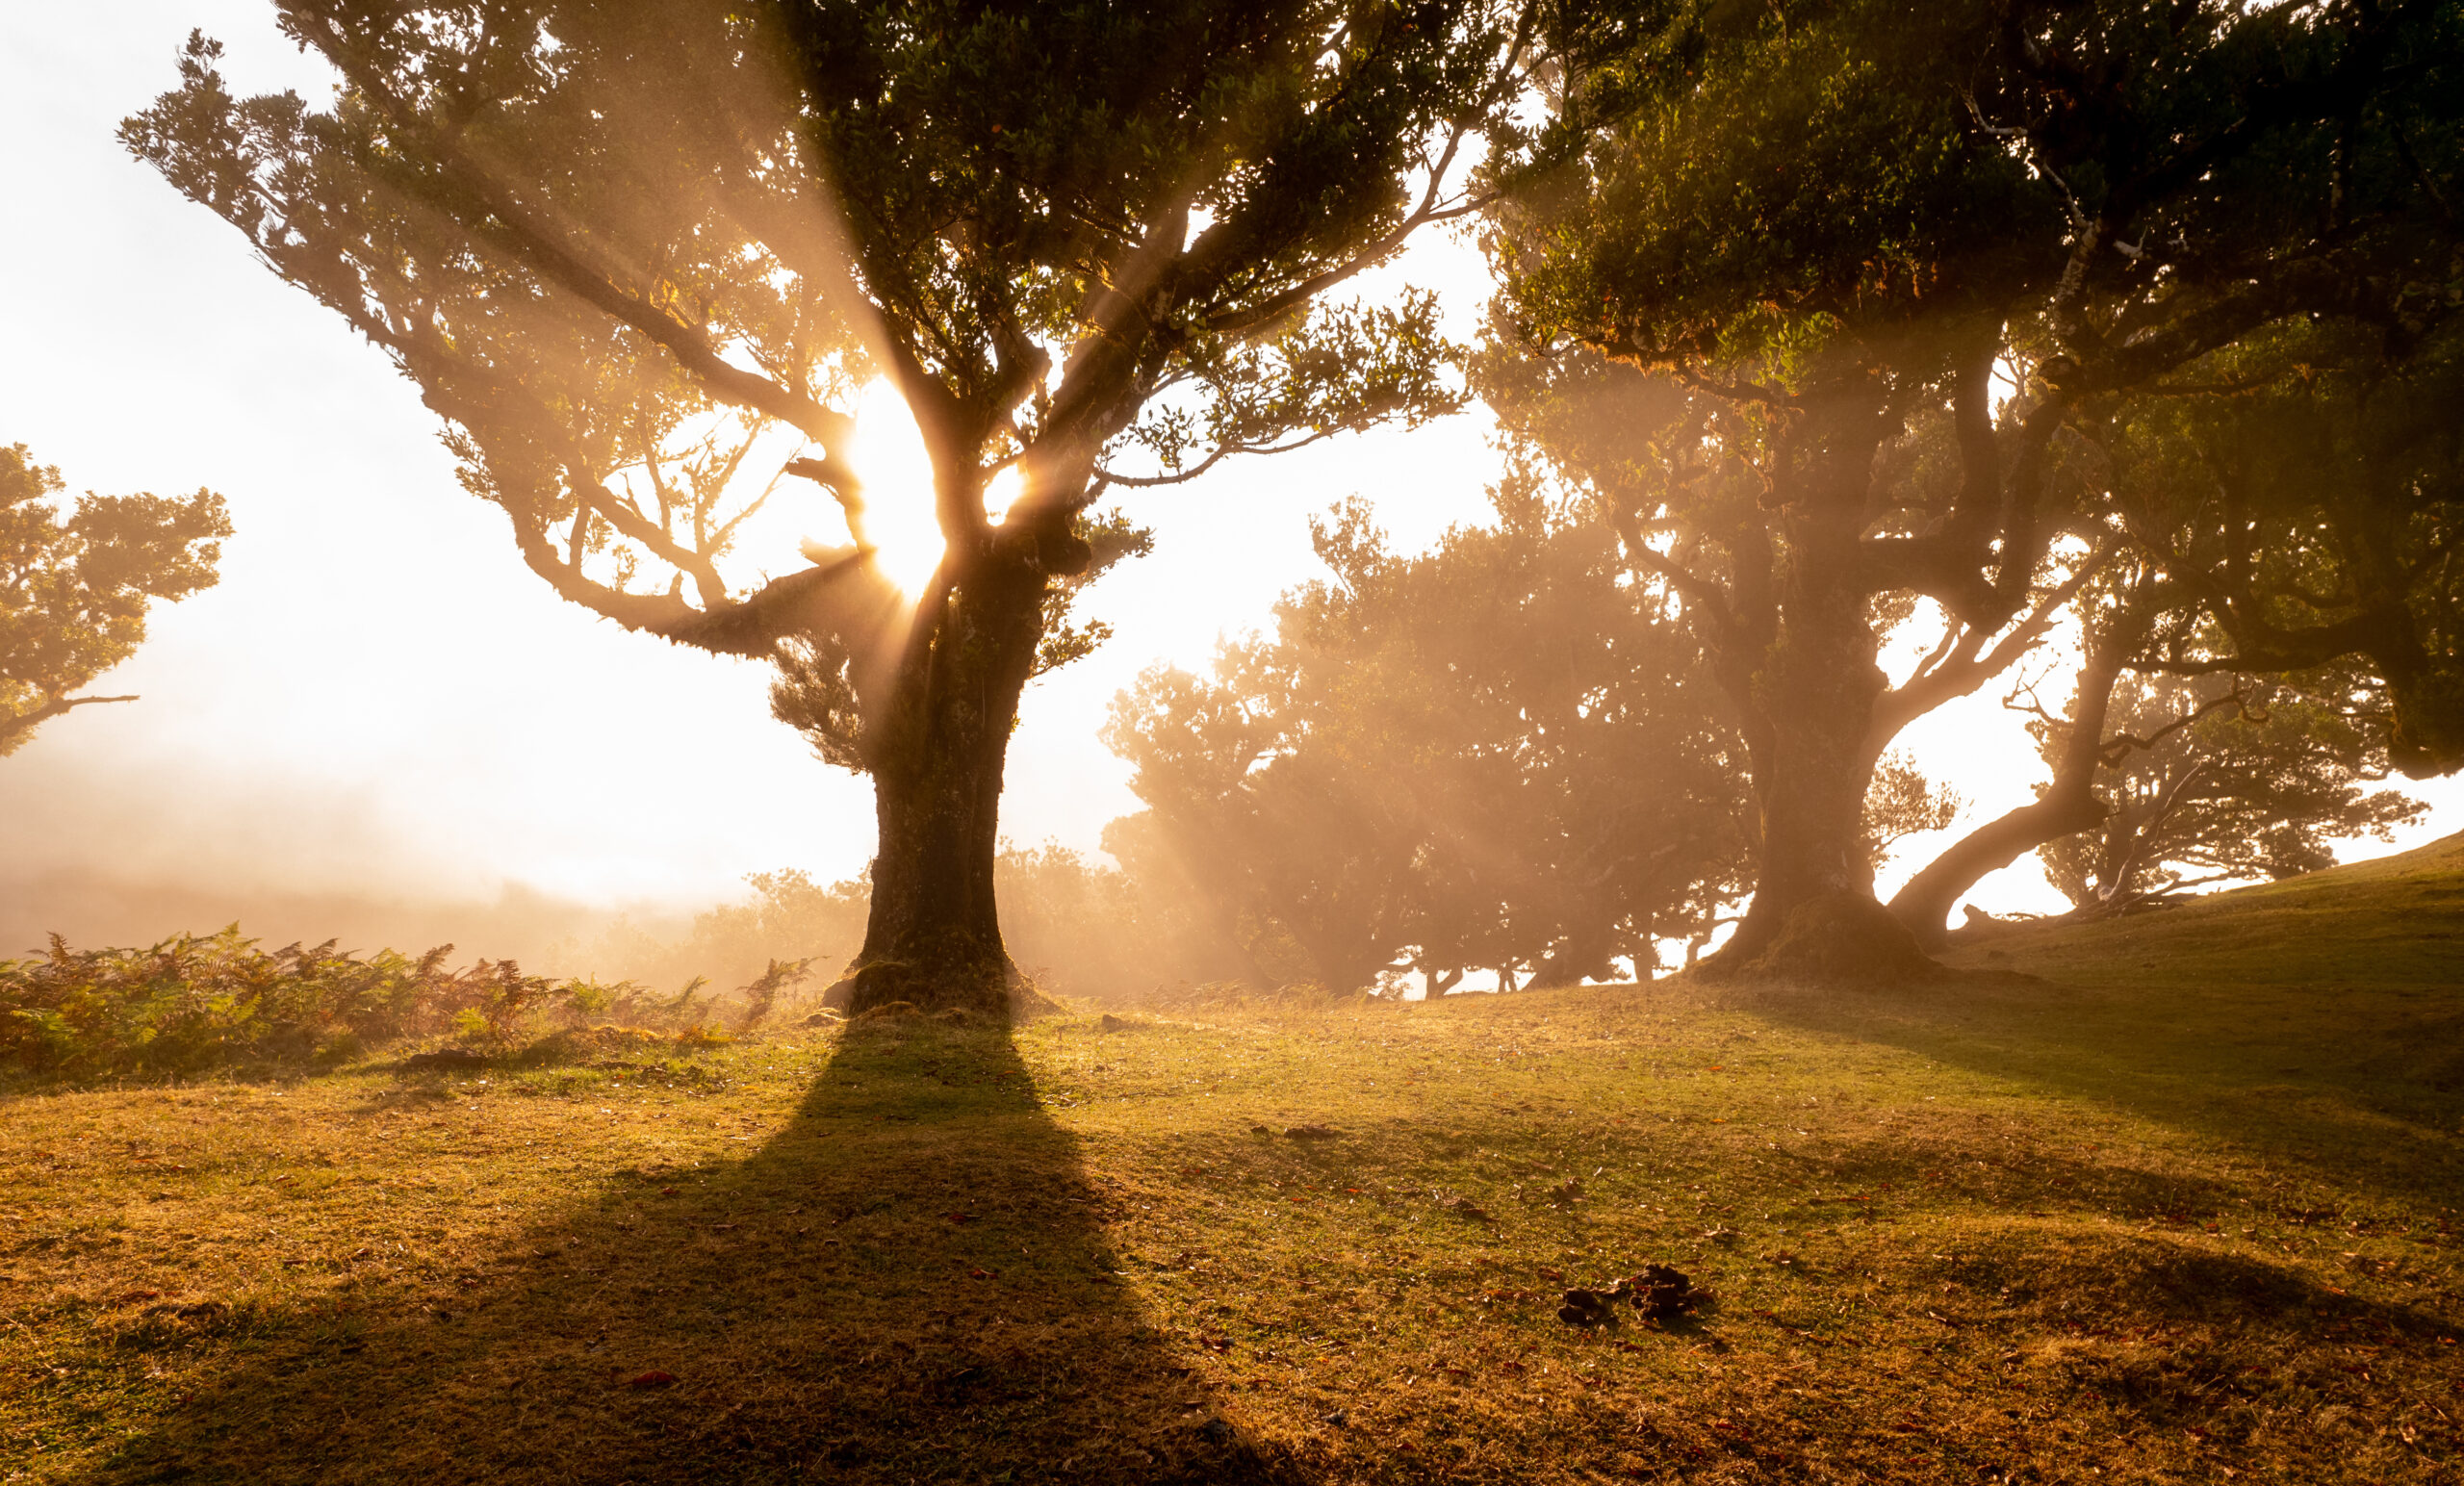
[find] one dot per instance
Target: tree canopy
(74, 590)
(1900, 273)
(1501, 753)
(638, 255)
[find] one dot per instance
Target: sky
(381, 726)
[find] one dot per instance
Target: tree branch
(15, 729)
(553, 253)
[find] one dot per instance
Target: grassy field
(2182, 1209)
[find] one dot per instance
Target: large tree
(75, 589)
(638, 253)
(2293, 510)
(1885, 256)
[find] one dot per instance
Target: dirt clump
(1660, 1293)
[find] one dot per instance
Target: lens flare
(1003, 493)
(890, 458)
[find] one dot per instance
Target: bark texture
(938, 749)
(1809, 695)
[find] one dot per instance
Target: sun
(890, 458)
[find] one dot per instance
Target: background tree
(1497, 754)
(635, 254)
(74, 590)
(1900, 802)
(2293, 502)
(1836, 226)
(2209, 781)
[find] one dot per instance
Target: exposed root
(1839, 938)
(994, 990)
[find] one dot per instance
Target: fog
(380, 727)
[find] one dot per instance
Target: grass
(2184, 1209)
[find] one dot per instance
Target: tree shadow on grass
(2344, 1086)
(909, 1283)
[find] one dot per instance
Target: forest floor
(2182, 1210)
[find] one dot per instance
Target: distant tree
(1900, 802)
(2210, 780)
(74, 590)
(638, 254)
(1086, 928)
(1499, 754)
(1884, 259)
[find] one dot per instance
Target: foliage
(2300, 493)
(788, 917)
(638, 254)
(2290, 511)
(74, 592)
(1497, 754)
(615, 244)
(1082, 928)
(2213, 781)
(192, 1003)
(1835, 232)
(1901, 802)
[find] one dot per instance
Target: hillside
(2393, 923)
(2177, 1202)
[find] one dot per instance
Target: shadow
(909, 1283)
(2348, 1084)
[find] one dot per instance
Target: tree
(1500, 753)
(636, 254)
(1886, 259)
(2277, 504)
(1900, 802)
(74, 592)
(2230, 780)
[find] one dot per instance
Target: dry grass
(2003, 1230)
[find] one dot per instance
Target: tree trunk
(1587, 951)
(1927, 899)
(1812, 691)
(933, 938)
(1818, 688)
(2067, 806)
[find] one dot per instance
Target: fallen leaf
(651, 1379)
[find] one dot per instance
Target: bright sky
(379, 703)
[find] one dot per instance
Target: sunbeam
(897, 472)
